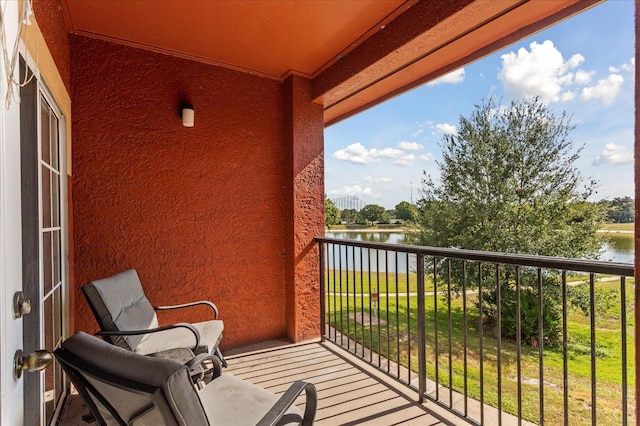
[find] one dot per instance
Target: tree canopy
(509, 183)
(349, 215)
(331, 213)
(406, 211)
(373, 213)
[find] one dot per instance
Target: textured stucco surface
(303, 136)
(49, 16)
(199, 212)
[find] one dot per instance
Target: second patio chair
(123, 388)
(127, 319)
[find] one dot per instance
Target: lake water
(618, 249)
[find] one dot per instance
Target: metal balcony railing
(494, 338)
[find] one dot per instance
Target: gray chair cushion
(229, 400)
(210, 336)
(127, 306)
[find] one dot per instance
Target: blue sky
(584, 66)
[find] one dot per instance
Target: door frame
(11, 400)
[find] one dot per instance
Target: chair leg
(219, 353)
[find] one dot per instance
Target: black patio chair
(124, 388)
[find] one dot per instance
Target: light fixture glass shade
(188, 116)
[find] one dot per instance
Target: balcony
(388, 313)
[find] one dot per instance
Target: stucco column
(303, 130)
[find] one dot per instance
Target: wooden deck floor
(350, 392)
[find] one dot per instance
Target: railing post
(322, 292)
(422, 344)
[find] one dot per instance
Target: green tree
(331, 213)
(373, 213)
(349, 215)
(509, 184)
(621, 210)
(406, 211)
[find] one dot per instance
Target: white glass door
(52, 265)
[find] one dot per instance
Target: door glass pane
(46, 262)
(55, 202)
(56, 251)
(55, 148)
(57, 339)
(57, 316)
(45, 125)
(46, 197)
(49, 373)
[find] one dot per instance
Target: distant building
(348, 202)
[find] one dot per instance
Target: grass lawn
(400, 313)
(618, 227)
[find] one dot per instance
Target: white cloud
(453, 77)
(410, 146)
(355, 189)
(426, 157)
(630, 67)
(583, 77)
(447, 129)
(354, 153)
(387, 153)
(607, 89)
(614, 154)
(417, 133)
(575, 60)
(406, 160)
(540, 71)
(380, 179)
(358, 154)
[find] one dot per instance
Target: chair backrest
(121, 387)
(119, 304)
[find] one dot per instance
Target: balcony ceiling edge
(468, 35)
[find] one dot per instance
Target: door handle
(35, 361)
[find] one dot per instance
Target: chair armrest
(282, 405)
(153, 330)
(201, 358)
(188, 305)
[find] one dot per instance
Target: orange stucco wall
(199, 212)
(49, 16)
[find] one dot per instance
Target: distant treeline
(620, 209)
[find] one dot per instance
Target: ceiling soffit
(357, 52)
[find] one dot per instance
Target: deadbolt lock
(21, 305)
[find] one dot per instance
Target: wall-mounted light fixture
(187, 114)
